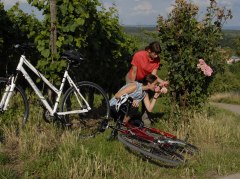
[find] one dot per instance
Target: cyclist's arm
(154, 72)
(129, 89)
(150, 104)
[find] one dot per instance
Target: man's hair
(150, 78)
(154, 47)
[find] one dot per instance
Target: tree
(184, 41)
(16, 27)
(88, 27)
(53, 14)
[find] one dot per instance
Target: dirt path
(231, 107)
(234, 176)
(236, 109)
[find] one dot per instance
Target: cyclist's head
(151, 81)
(150, 78)
(154, 49)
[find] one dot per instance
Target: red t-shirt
(145, 65)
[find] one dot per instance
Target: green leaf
(45, 53)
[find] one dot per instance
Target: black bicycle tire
(24, 97)
(101, 91)
(185, 145)
(155, 156)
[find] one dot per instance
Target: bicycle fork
(7, 93)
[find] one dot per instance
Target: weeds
(229, 97)
(43, 150)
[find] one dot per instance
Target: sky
(145, 12)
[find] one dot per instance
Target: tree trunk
(53, 37)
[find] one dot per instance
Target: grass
(227, 97)
(43, 150)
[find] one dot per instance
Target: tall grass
(227, 97)
(45, 151)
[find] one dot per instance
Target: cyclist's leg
(136, 118)
(133, 113)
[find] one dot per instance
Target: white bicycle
(83, 106)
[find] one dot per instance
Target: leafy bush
(184, 41)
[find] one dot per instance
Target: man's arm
(134, 73)
(154, 72)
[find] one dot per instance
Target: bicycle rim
(174, 145)
(87, 124)
(181, 147)
(151, 151)
(18, 108)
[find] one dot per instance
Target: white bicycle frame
(10, 88)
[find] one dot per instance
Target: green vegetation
(229, 39)
(93, 30)
(228, 80)
(185, 40)
(45, 151)
(230, 97)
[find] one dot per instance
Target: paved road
(236, 109)
(231, 107)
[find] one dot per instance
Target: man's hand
(164, 83)
(162, 87)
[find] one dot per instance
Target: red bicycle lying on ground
(152, 143)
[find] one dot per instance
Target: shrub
(184, 41)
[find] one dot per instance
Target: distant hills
(231, 28)
(137, 28)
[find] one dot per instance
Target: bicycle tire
(150, 151)
(181, 147)
(18, 107)
(87, 124)
(169, 142)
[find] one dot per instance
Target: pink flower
(207, 70)
(201, 61)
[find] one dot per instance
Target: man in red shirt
(145, 62)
